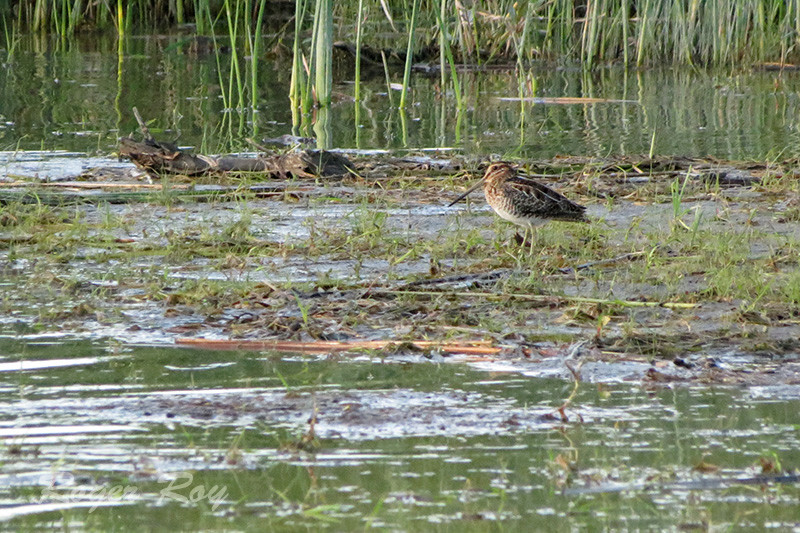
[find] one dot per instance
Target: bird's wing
(537, 191)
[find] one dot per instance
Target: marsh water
(77, 97)
(110, 426)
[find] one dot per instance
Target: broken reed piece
(321, 347)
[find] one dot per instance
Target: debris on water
(290, 140)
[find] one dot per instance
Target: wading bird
(523, 201)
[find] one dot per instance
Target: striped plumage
(523, 201)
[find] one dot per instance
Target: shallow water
(148, 435)
(105, 425)
(78, 98)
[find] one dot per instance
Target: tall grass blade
(323, 52)
(359, 26)
(235, 77)
(254, 61)
(412, 27)
(11, 38)
(445, 52)
(322, 127)
(652, 145)
(624, 18)
(298, 81)
(120, 20)
(641, 32)
(443, 41)
(388, 79)
(589, 37)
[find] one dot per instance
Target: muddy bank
(688, 267)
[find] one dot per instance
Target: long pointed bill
(477, 184)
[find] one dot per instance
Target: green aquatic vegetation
(364, 235)
(790, 288)
(360, 15)
(235, 77)
(25, 216)
(642, 33)
(321, 57)
(299, 93)
(187, 246)
(368, 223)
(678, 190)
(10, 36)
(412, 28)
(209, 296)
(738, 281)
(255, 41)
(446, 55)
(239, 230)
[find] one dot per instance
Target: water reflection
(400, 445)
(69, 97)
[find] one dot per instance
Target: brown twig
(143, 126)
(604, 262)
(470, 348)
(459, 278)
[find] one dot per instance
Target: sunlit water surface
(102, 436)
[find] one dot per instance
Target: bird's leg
(530, 232)
(527, 239)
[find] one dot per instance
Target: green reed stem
(224, 95)
(693, 32)
(201, 13)
(403, 127)
(589, 36)
(323, 52)
(233, 35)
(255, 51)
(388, 79)
(625, 30)
(409, 53)
(120, 66)
(359, 24)
(442, 41)
(120, 20)
(522, 44)
(10, 37)
(643, 8)
(322, 127)
(297, 82)
(315, 22)
(179, 12)
(444, 46)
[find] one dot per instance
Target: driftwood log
(165, 159)
(157, 158)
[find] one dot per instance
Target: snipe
(522, 200)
